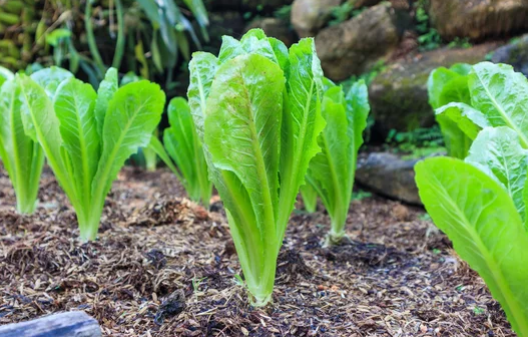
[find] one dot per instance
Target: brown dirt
(163, 266)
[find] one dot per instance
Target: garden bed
(163, 266)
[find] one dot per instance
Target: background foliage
(151, 38)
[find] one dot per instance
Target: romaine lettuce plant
(22, 157)
(257, 109)
(185, 148)
(450, 86)
(87, 136)
(480, 203)
(309, 197)
(331, 172)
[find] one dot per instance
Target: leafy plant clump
(331, 172)
(344, 12)
(183, 145)
(87, 136)
(22, 157)
(480, 203)
(428, 38)
(416, 144)
(256, 108)
(309, 197)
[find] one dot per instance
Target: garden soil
(164, 266)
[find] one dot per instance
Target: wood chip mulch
(164, 266)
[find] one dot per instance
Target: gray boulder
(478, 19)
(309, 16)
(354, 46)
(389, 175)
(398, 96)
(515, 54)
(365, 3)
(249, 5)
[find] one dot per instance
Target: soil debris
(159, 268)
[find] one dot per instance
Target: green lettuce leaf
(309, 196)
(501, 95)
(133, 114)
(302, 123)
(498, 153)
(249, 112)
(468, 119)
(50, 79)
(106, 91)
(445, 87)
(184, 146)
(203, 68)
(42, 125)
(332, 171)
(478, 215)
(460, 125)
(22, 157)
(74, 108)
(243, 137)
(61, 115)
(5, 75)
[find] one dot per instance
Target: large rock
(353, 46)
(309, 16)
(364, 3)
(478, 19)
(398, 96)
(389, 175)
(515, 54)
(275, 28)
(249, 5)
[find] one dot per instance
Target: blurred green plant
(344, 12)
(283, 13)
(463, 43)
(428, 38)
(418, 143)
(146, 37)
